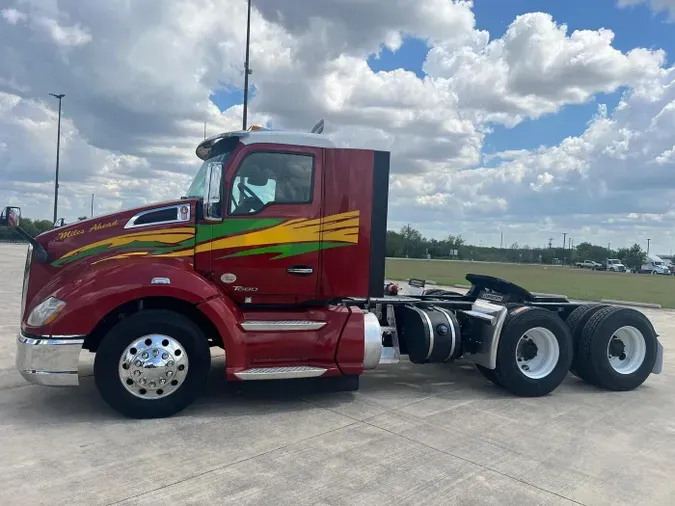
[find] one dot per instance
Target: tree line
(410, 243)
(33, 227)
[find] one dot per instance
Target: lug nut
(153, 384)
(162, 381)
(142, 381)
(138, 363)
(170, 363)
(169, 374)
(165, 356)
(137, 373)
(145, 354)
(155, 353)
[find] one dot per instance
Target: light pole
(58, 149)
(247, 69)
(648, 241)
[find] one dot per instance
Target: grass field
(575, 283)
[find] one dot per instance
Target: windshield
(219, 154)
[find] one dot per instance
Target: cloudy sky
(526, 117)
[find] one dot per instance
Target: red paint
(349, 186)
(350, 352)
(264, 272)
(46, 279)
(92, 293)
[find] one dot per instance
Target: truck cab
(654, 265)
(273, 231)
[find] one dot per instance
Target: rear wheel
(618, 348)
(576, 322)
(534, 353)
(152, 364)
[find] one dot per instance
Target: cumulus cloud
(667, 6)
(138, 80)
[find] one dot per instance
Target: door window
(266, 178)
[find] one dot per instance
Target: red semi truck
(276, 255)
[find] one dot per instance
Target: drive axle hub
(153, 366)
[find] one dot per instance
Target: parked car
(588, 264)
(612, 265)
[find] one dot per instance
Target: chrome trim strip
(132, 221)
(283, 326)
(52, 341)
(274, 373)
(451, 321)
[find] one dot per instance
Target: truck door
(266, 250)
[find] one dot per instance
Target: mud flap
(658, 365)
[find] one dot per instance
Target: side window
(267, 178)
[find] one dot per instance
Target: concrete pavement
(413, 435)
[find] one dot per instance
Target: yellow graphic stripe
(122, 256)
(168, 236)
(337, 228)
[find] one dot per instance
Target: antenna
(318, 128)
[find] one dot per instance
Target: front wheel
(534, 353)
(152, 364)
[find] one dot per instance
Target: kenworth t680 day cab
(276, 255)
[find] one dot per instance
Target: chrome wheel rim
(626, 350)
(153, 367)
(537, 353)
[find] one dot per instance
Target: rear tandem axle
(519, 341)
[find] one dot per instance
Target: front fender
(100, 288)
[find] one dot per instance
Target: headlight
(46, 312)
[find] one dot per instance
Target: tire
(548, 370)
(178, 341)
(594, 348)
(576, 322)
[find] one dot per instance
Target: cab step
(281, 325)
(276, 373)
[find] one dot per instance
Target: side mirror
(213, 209)
(10, 217)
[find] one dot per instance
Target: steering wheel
(497, 285)
(248, 197)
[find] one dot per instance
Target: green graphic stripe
(288, 250)
(152, 247)
(206, 233)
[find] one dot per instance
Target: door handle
(300, 270)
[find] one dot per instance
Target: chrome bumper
(49, 361)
